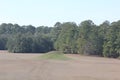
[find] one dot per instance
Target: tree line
(86, 38)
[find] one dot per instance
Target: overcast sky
(48, 12)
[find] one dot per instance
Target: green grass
(54, 55)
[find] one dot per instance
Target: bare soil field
(26, 67)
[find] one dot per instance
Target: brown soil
(26, 67)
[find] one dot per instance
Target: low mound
(54, 55)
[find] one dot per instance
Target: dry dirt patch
(25, 67)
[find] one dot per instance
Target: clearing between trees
(30, 67)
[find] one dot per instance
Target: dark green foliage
(42, 44)
(56, 31)
(25, 39)
(3, 42)
(29, 44)
(20, 44)
(88, 40)
(111, 45)
(66, 40)
(85, 38)
(43, 30)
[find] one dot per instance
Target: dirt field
(26, 67)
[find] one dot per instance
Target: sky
(48, 12)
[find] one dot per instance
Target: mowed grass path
(54, 55)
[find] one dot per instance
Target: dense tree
(88, 38)
(85, 38)
(30, 29)
(43, 30)
(3, 42)
(66, 40)
(41, 44)
(102, 30)
(20, 44)
(56, 31)
(111, 43)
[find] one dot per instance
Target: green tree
(20, 44)
(111, 44)
(3, 42)
(66, 39)
(41, 44)
(88, 39)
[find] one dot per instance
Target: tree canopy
(86, 38)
